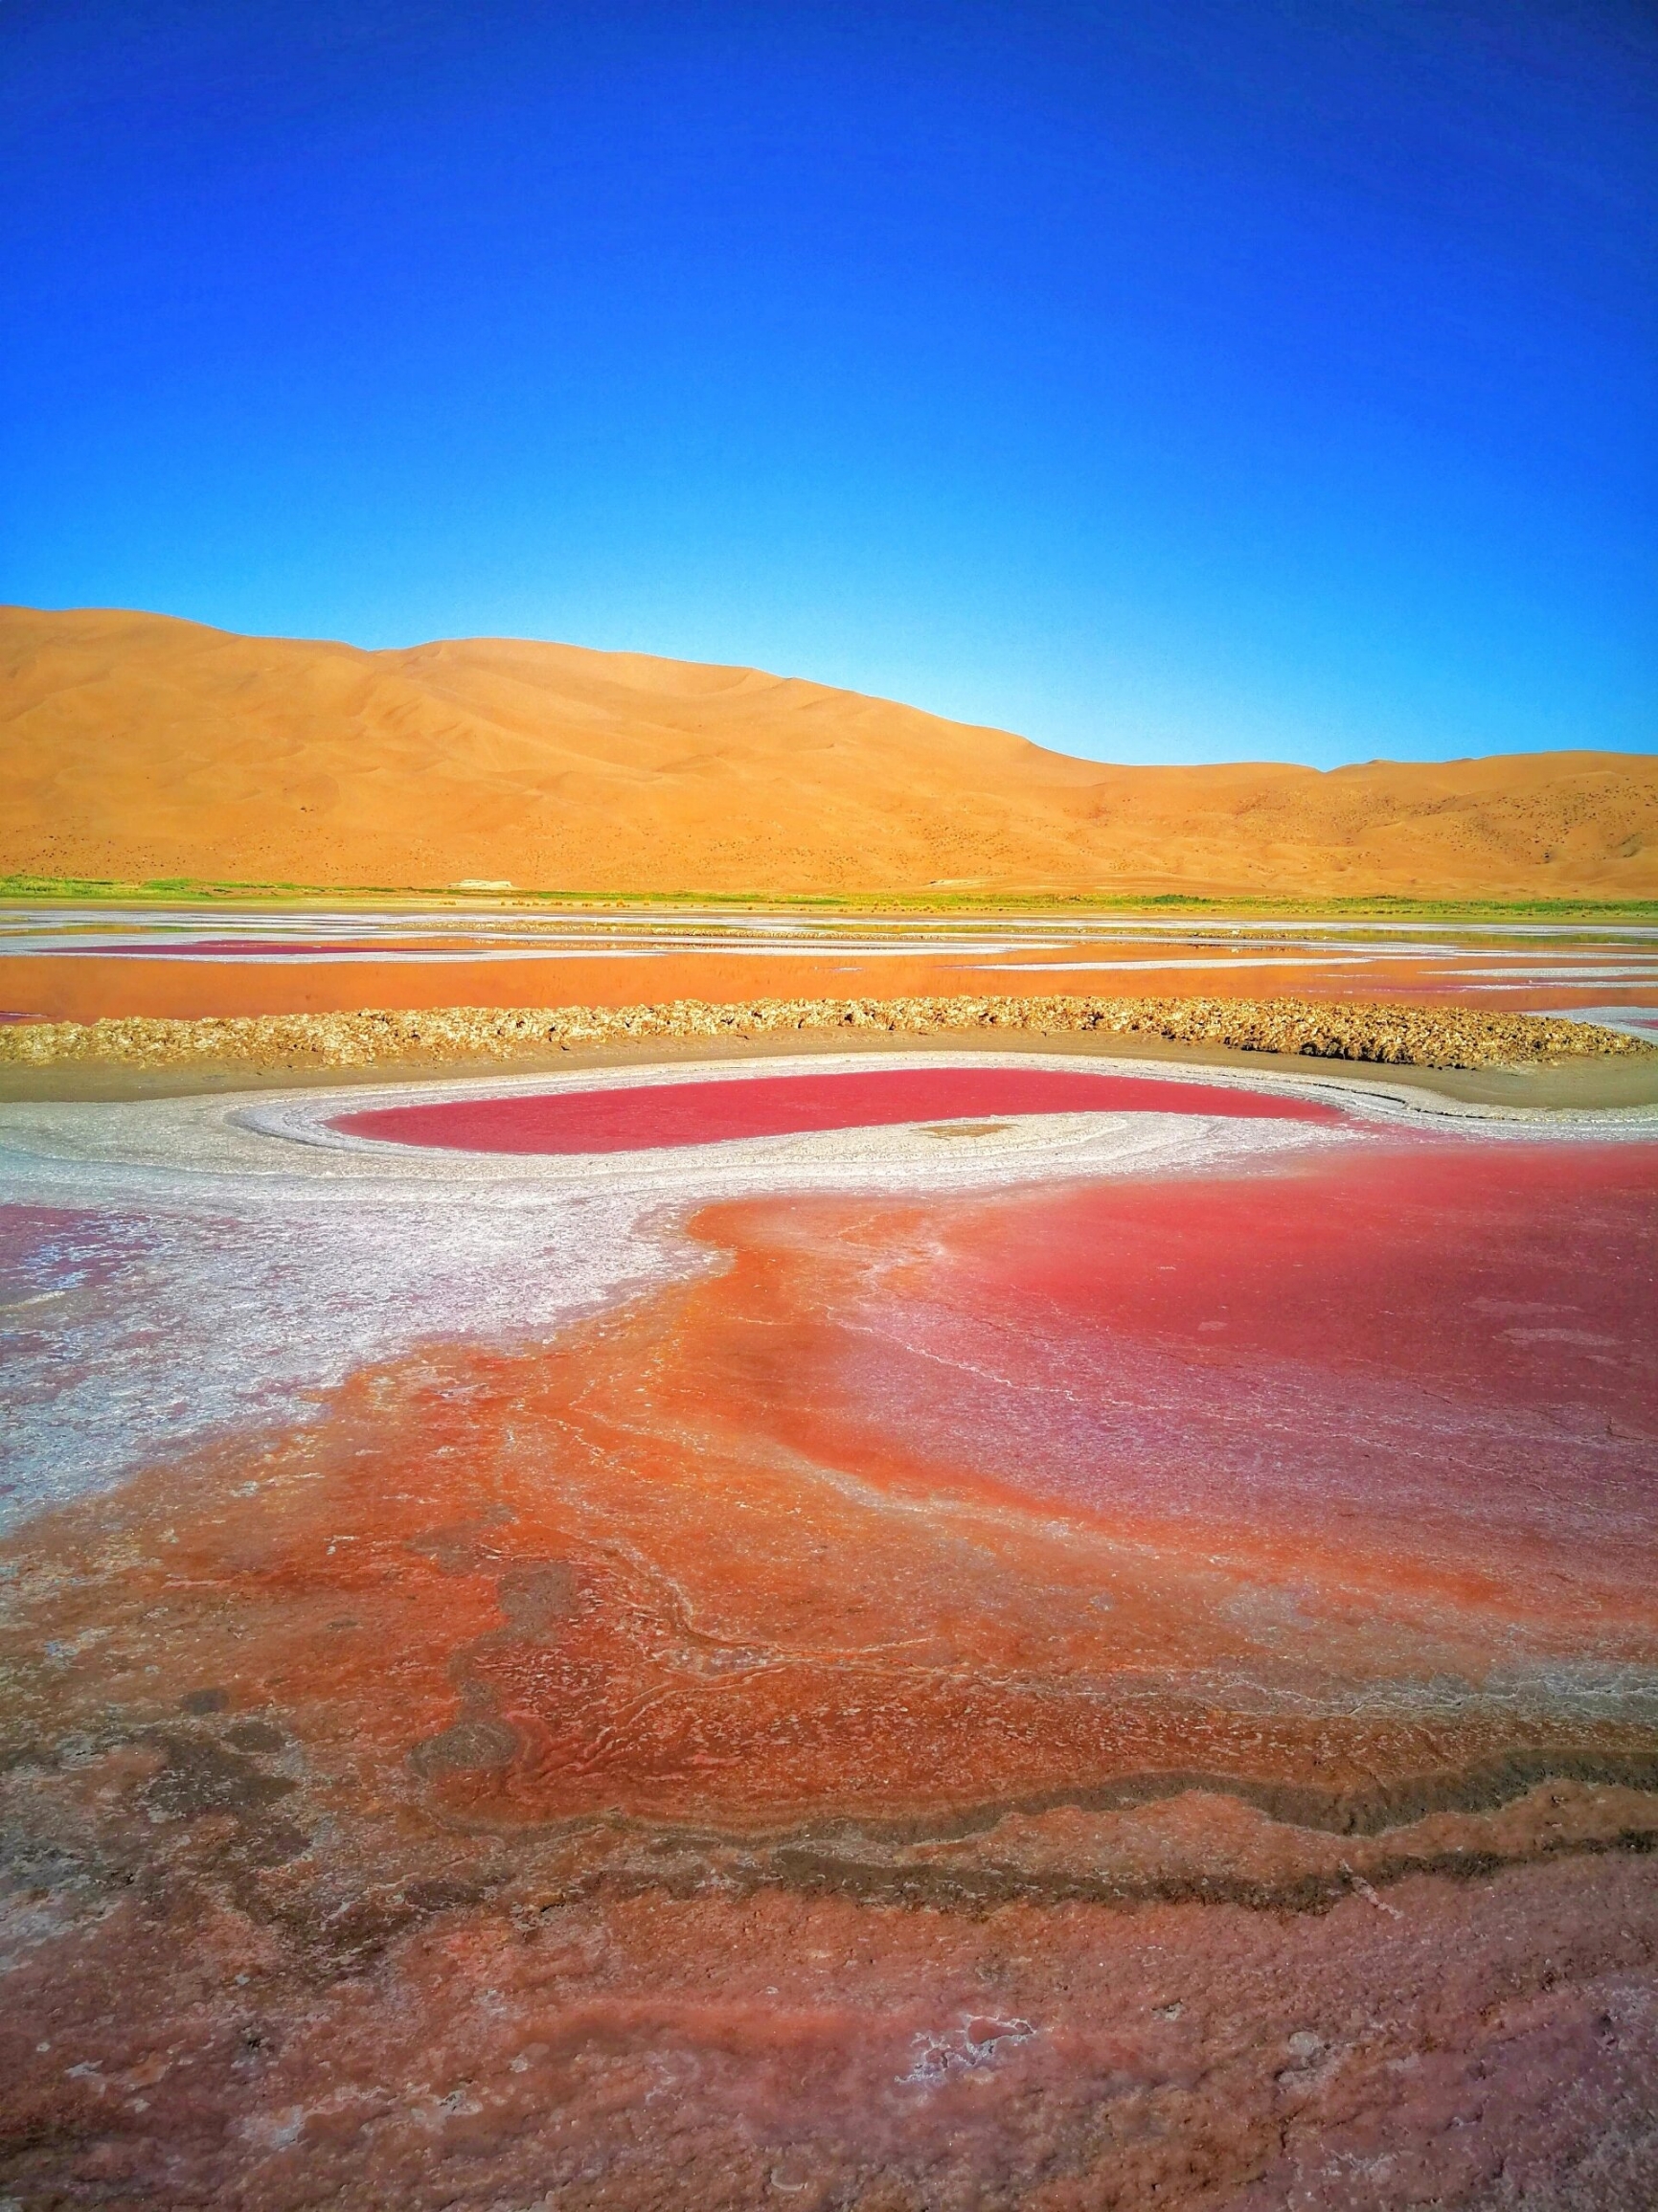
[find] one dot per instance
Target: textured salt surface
(172, 1267)
(131, 1332)
(990, 1681)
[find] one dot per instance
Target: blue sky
(1172, 380)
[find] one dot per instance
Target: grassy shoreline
(185, 891)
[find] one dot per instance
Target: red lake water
(640, 1116)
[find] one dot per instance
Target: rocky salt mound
(1389, 1035)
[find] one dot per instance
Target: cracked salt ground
(963, 2049)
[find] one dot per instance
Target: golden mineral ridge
(1390, 1035)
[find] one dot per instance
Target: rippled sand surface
(956, 1676)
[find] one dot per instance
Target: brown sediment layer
(261, 1825)
(1356, 1815)
(983, 1887)
(1388, 1034)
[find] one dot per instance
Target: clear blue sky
(1167, 379)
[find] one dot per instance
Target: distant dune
(136, 747)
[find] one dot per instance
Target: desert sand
(137, 747)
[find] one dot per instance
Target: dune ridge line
(140, 748)
(1399, 1035)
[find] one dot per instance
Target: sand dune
(138, 747)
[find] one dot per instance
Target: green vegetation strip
(1390, 1034)
(185, 891)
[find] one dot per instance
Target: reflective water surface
(69, 962)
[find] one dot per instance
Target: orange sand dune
(138, 747)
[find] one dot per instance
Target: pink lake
(639, 1117)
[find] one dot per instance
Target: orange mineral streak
(89, 986)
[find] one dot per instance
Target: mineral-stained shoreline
(1441, 1036)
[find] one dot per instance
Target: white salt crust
(210, 1263)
